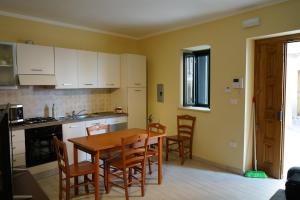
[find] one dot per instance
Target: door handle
(279, 115)
(36, 70)
(66, 84)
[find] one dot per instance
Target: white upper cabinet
(108, 70)
(66, 68)
(135, 69)
(87, 69)
(35, 59)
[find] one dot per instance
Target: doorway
(276, 96)
(292, 108)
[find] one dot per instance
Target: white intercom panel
(237, 83)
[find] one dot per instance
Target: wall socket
(232, 144)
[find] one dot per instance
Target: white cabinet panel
(87, 69)
(18, 148)
(136, 70)
(66, 69)
(137, 108)
(35, 59)
(74, 130)
(108, 70)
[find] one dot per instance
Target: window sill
(195, 108)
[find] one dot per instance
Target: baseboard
(220, 166)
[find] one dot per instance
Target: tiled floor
(194, 180)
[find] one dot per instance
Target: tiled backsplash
(37, 101)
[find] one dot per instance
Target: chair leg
(108, 178)
(105, 175)
(191, 151)
(68, 188)
(167, 149)
(125, 184)
(129, 176)
(149, 164)
(143, 180)
(181, 152)
(86, 181)
(60, 185)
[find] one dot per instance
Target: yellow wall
(225, 122)
(13, 29)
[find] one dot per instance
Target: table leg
(97, 177)
(160, 151)
(75, 157)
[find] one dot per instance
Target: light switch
(160, 93)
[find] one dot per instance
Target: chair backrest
(93, 130)
(132, 153)
(62, 155)
(155, 128)
(185, 125)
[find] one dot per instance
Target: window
(196, 67)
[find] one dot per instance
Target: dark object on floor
(292, 185)
(25, 184)
(279, 195)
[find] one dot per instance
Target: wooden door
(269, 96)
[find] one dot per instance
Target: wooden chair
(132, 156)
(184, 137)
(66, 171)
(105, 155)
(152, 148)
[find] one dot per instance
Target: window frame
(195, 54)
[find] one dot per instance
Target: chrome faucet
(74, 113)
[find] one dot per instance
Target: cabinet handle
(36, 70)
(88, 84)
(137, 83)
(110, 84)
(137, 90)
(66, 84)
(73, 126)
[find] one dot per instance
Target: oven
(39, 144)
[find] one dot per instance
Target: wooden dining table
(95, 144)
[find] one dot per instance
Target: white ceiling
(133, 18)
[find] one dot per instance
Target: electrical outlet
(232, 144)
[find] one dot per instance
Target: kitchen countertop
(68, 120)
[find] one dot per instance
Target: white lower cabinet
(74, 130)
(18, 148)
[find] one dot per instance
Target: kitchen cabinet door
(35, 59)
(18, 148)
(137, 108)
(136, 70)
(74, 130)
(108, 70)
(87, 69)
(66, 69)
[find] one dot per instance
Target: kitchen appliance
(16, 115)
(37, 120)
(39, 144)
